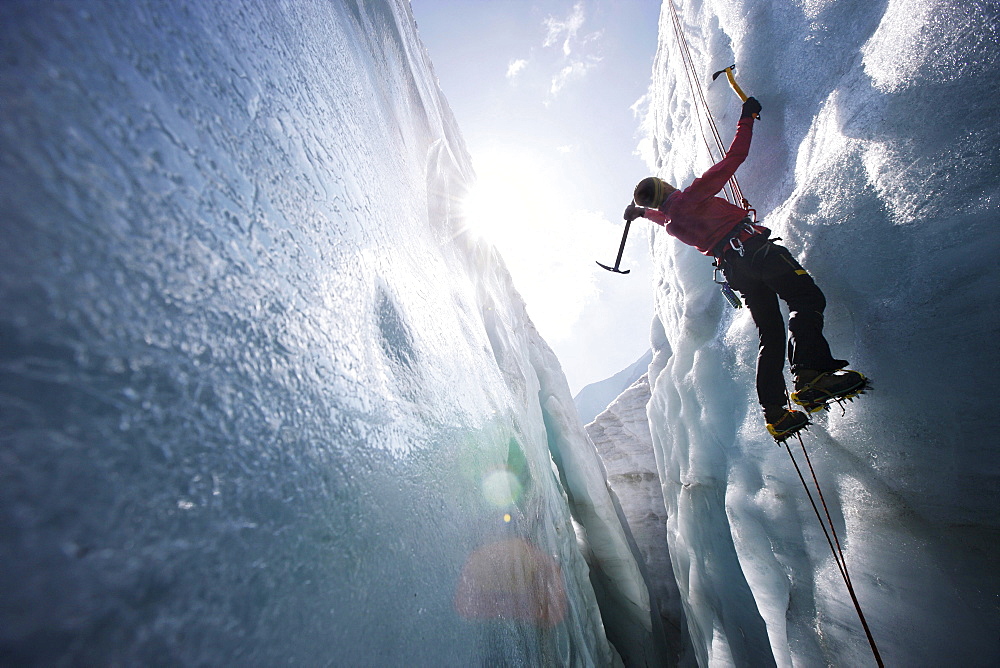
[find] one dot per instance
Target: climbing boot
(782, 423)
(815, 389)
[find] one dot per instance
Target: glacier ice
(622, 437)
(264, 400)
(876, 161)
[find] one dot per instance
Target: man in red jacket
(762, 271)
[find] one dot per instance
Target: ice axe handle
(735, 86)
(621, 249)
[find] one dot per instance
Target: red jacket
(694, 215)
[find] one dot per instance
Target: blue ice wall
(262, 400)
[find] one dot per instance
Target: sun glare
(507, 200)
(481, 212)
(547, 243)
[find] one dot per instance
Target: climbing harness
(732, 241)
(835, 548)
(741, 232)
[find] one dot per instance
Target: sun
(523, 206)
(510, 198)
(482, 213)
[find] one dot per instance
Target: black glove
(632, 212)
(750, 108)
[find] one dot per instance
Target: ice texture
(264, 400)
(622, 438)
(876, 160)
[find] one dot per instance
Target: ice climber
(762, 271)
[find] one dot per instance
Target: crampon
(831, 387)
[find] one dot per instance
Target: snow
(875, 160)
(264, 399)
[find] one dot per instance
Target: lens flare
(501, 488)
(512, 579)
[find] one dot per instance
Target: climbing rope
(835, 548)
(702, 110)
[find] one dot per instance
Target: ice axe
(621, 249)
(732, 82)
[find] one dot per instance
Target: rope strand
(838, 553)
(735, 195)
(822, 524)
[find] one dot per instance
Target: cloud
(515, 67)
(576, 61)
(565, 30)
(575, 70)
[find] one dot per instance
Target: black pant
(765, 272)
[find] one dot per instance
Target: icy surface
(622, 438)
(263, 401)
(876, 160)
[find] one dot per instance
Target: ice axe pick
(732, 82)
(621, 249)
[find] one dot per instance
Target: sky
(550, 96)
